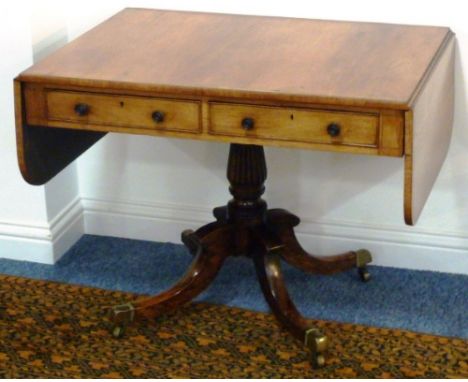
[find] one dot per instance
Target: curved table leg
(192, 239)
(282, 223)
(212, 250)
(220, 213)
(267, 265)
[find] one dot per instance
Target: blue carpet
(421, 301)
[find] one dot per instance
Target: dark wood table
(358, 88)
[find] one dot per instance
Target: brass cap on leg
(124, 313)
(363, 257)
(121, 316)
(317, 344)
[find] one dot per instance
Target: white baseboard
(401, 248)
(406, 247)
(44, 243)
(161, 222)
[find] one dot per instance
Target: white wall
(151, 188)
(37, 223)
(23, 215)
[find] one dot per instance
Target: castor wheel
(318, 361)
(317, 344)
(118, 331)
(364, 274)
(363, 257)
(121, 316)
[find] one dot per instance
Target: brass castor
(118, 331)
(121, 317)
(318, 344)
(363, 257)
(364, 274)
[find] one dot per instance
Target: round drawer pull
(158, 116)
(81, 109)
(247, 123)
(333, 129)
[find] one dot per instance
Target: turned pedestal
(246, 227)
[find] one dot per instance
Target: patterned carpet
(52, 330)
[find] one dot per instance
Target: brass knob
(81, 109)
(333, 129)
(158, 116)
(247, 123)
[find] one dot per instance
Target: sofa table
(349, 87)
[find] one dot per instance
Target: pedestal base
(246, 227)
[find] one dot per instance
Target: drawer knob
(81, 109)
(247, 124)
(158, 116)
(333, 129)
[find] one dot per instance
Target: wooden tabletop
(391, 86)
(275, 58)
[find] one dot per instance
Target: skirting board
(401, 248)
(44, 243)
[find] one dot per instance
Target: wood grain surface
(346, 63)
(295, 124)
(362, 131)
(428, 133)
(43, 152)
(124, 111)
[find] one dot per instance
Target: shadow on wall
(49, 44)
(453, 179)
(321, 182)
(460, 132)
(294, 176)
(110, 158)
(160, 169)
(63, 188)
(297, 179)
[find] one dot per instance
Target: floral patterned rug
(52, 330)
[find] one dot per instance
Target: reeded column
(246, 173)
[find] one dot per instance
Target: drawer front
(295, 124)
(123, 111)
